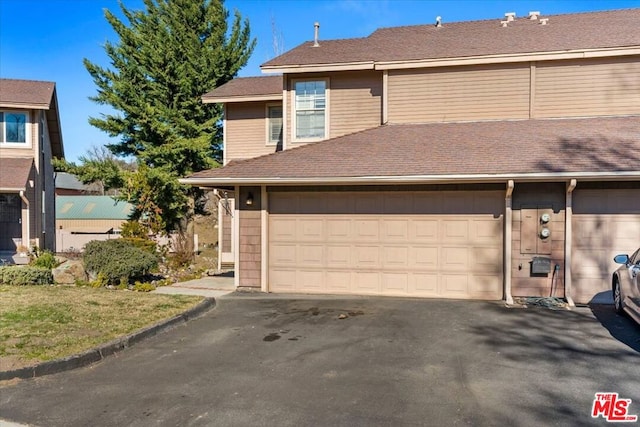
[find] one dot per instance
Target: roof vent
(510, 16)
(438, 21)
(504, 23)
(534, 15)
(316, 28)
(544, 21)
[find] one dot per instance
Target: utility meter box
(540, 265)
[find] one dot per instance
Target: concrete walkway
(211, 287)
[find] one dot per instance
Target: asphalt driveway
(294, 362)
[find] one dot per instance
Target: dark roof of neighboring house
(39, 95)
(581, 31)
(262, 86)
(91, 207)
(551, 147)
(14, 173)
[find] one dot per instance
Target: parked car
(626, 285)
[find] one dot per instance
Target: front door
(10, 222)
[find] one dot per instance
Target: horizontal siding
(246, 132)
(587, 88)
(354, 102)
(95, 225)
(469, 93)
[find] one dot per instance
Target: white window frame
(27, 130)
(294, 124)
(267, 107)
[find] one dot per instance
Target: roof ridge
(27, 80)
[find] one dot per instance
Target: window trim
(27, 130)
(327, 97)
(268, 140)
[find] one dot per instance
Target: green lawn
(39, 323)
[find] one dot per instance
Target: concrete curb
(94, 355)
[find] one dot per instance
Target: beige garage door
(427, 244)
(605, 223)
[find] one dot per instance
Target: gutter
(417, 179)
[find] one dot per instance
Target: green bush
(133, 228)
(45, 259)
(117, 261)
(146, 245)
(25, 275)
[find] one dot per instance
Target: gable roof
(14, 173)
(472, 39)
(243, 89)
(606, 148)
(36, 95)
(91, 207)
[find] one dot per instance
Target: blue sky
(48, 39)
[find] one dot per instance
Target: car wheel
(617, 297)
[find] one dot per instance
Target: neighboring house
(80, 219)
(484, 160)
(69, 185)
(30, 136)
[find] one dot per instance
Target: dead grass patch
(40, 323)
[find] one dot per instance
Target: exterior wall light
(249, 200)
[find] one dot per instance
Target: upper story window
(13, 127)
(310, 109)
(274, 124)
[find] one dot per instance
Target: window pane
(15, 127)
(275, 124)
(310, 105)
(310, 124)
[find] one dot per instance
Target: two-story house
(485, 159)
(30, 136)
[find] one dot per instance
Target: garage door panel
(282, 229)
(338, 281)
(487, 286)
(455, 258)
(395, 230)
(312, 279)
(338, 229)
(386, 245)
(367, 230)
(455, 230)
(425, 257)
(605, 223)
(395, 283)
(425, 230)
(367, 257)
(311, 255)
(338, 256)
(283, 254)
(395, 257)
(424, 284)
(486, 260)
(455, 284)
(366, 282)
(310, 230)
(282, 280)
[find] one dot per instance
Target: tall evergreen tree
(166, 58)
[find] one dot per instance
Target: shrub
(26, 275)
(117, 261)
(144, 287)
(133, 228)
(45, 259)
(146, 245)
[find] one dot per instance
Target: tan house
(483, 160)
(30, 136)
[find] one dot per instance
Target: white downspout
(568, 238)
(507, 242)
(26, 202)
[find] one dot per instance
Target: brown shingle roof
(455, 150)
(596, 30)
(14, 173)
(26, 92)
(247, 86)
